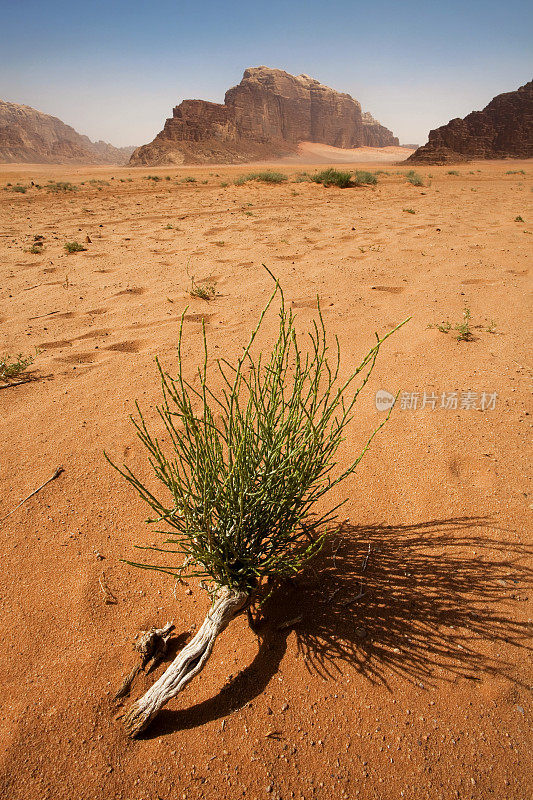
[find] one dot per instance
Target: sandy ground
(420, 688)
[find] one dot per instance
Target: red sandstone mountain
(265, 116)
(503, 129)
(29, 136)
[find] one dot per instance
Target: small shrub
(153, 178)
(515, 172)
(518, 219)
(20, 189)
(63, 186)
(13, 367)
(452, 172)
(74, 247)
(409, 210)
(414, 178)
(243, 472)
(224, 184)
(464, 332)
(267, 176)
(36, 248)
(491, 327)
(188, 179)
(205, 292)
(333, 177)
(362, 177)
(302, 177)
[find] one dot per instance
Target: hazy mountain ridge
(31, 136)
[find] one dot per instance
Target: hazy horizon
(115, 70)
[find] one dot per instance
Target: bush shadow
(425, 602)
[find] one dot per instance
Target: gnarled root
(188, 663)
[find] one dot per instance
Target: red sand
(419, 689)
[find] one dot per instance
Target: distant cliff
(503, 129)
(29, 136)
(265, 116)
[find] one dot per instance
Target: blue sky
(115, 69)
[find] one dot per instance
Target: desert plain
(398, 665)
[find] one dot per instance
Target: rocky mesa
(504, 129)
(32, 137)
(265, 116)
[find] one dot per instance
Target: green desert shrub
(241, 473)
(61, 186)
(333, 177)
(246, 465)
(414, 178)
(266, 176)
(12, 367)
(363, 177)
(205, 291)
(464, 331)
(74, 247)
(302, 177)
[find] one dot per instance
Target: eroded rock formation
(503, 129)
(265, 116)
(29, 136)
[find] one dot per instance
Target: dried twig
(56, 474)
(333, 594)
(289, 623)
(152, 646)
(365, 562)
(16, 383)
(40, 316)
(351, 600)
(109, 597)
